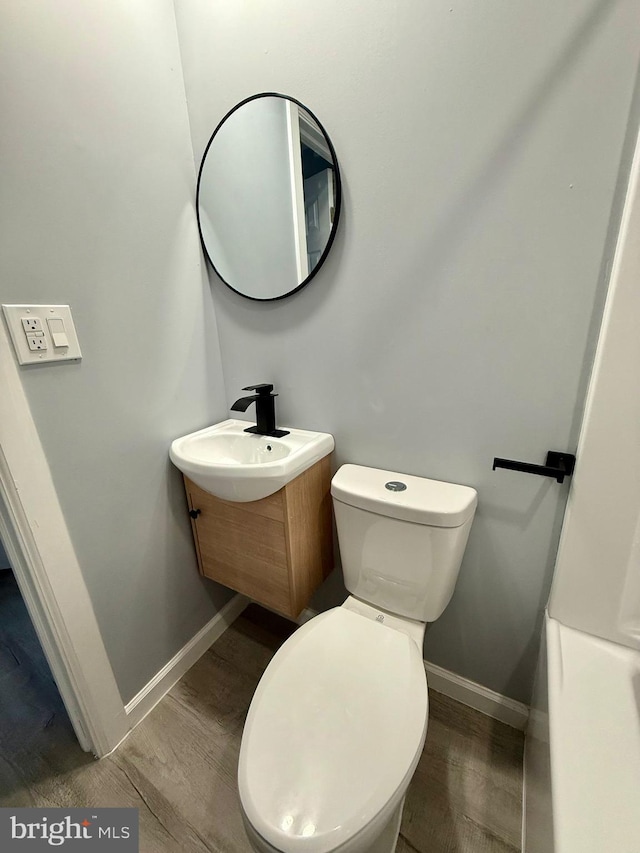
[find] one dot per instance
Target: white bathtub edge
(594, 742)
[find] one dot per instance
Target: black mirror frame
(338, 200)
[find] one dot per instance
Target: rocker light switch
(58, 332)
(36, 341)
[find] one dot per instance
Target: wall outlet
(42, 333)
(32, 324)
(37, 342)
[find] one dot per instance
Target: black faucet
(265, 401)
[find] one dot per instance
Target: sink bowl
(234, 465)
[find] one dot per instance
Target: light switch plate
(15, 314)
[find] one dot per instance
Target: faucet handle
(263, 388)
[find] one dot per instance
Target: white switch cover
(53, 325)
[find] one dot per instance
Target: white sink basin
(229, 463)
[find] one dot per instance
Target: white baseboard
(474, 695)
(441, 680)
(146, 700)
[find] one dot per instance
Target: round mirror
(268, 198)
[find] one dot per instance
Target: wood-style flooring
(179, 765)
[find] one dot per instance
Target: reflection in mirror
(268, 197)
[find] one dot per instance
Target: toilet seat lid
(336, 726)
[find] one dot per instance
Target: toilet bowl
(338, 721)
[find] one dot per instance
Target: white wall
(596, 586)
(98, 186)
(479, 146)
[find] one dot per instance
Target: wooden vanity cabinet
(278, 550)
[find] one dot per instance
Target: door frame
(297, 189)
(35, 536)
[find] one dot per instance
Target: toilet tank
(402, 538)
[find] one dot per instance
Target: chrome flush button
(395, 486)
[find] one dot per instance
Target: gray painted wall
(480, 147)
(98, 211)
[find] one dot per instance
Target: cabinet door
(242, 545)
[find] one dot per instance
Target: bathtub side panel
(595, 742)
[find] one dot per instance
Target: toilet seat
(334, 732)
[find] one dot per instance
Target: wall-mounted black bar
(558, 465)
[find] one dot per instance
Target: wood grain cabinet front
(278, 550)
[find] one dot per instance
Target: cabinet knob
(194, 513)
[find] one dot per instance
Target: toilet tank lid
(423, 501)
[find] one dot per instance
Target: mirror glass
(268, 197)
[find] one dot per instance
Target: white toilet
(339, 718)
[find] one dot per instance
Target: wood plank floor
(179, 766)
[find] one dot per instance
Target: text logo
(103, 830)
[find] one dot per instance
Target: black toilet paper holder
(557, 465)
